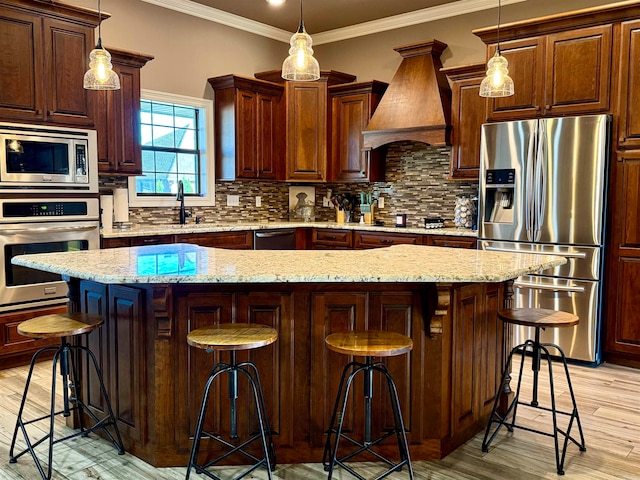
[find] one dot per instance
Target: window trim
(208, 177)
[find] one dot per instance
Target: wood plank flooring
(607, 399)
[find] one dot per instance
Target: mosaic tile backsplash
(415, 183)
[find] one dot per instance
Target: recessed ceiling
(320, 15)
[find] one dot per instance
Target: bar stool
(63, 326)
(367, 344)
(537, 318)
(233, 337)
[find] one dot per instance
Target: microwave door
(32, 160)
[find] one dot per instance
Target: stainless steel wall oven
(42, 225)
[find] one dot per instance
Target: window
(176, 138)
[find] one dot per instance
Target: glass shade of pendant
(300, 66)
(497, 83)
(100, 75)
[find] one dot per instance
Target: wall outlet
(258, 201)
(233, 200)
(380, 201)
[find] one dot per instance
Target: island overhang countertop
(186, 263)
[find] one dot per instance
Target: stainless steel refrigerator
(543, 189)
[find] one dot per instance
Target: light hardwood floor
(607, 396)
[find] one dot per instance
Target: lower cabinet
(242, 240)
(118, 347)
(16, 349)
(450, 241)
(366, 239)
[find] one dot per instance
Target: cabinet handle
(332, 237)
(547, 107)
(50, 113)
(386, 240)
(148, 240)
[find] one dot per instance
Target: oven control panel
(43, 210)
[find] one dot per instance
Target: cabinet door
(578, 71)
(233, 240)
(306, 131)
(630, 85)
(21, 66)
(269, 139)
(330, 313)
(126, 122)
(246, 143)
(349, 117)
(67, 48)
(322, 239)
(526, 68)
(468, 113)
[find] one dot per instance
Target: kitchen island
(445, 299)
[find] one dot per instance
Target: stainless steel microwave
(45, 159)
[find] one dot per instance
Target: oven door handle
(15, 231)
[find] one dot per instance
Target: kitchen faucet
(180, 198)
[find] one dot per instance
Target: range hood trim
(417, 103)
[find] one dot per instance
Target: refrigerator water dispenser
(499, 190)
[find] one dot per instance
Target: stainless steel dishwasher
(280, 239)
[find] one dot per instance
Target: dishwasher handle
(274, 234)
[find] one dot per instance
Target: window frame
(207, 167)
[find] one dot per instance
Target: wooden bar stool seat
(538, 319)
(233, 337)
(63, 326)
(368, 344)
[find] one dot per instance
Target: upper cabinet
(630, 86)
(561, 73)
(352, 105)
(307, 124)
(468, 113)
(117, 117)
(249, 128)
(44, 53)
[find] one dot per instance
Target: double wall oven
(48, 203)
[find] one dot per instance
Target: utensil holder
(339, 216)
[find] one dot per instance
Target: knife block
(367, 213)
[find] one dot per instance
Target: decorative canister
(464, 212)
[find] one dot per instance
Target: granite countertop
(185, 263)
(173, 229)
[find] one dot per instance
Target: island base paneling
(156, 380)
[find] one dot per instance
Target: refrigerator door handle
(558, 254)
(555, 288)
(540, 180)
(530, 192)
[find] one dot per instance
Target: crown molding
(224, 18)
(417, 17)
(426, 15)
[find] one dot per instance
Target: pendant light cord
(301, 26)
(99, 45)
(499, 10)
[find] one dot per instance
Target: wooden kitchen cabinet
(249, 128)
(16, 349)
(44, 53)
(368, 239)
(352, 106)
(622, 344)
(117, 117)
(562, 73)
(629, 127)
(468, 113)
(121, 336)
(450, 241)
(240, 240)
(328, 238)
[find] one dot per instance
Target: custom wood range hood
(417, 104)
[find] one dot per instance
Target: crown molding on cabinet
(417, 17)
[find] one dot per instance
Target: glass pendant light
(100, 75)
(497, 83)
(300, 66)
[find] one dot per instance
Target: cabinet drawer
(236, 240)
(151, 240)
(375, 239)
(331, 238)
(115, 242)
(455, 242)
